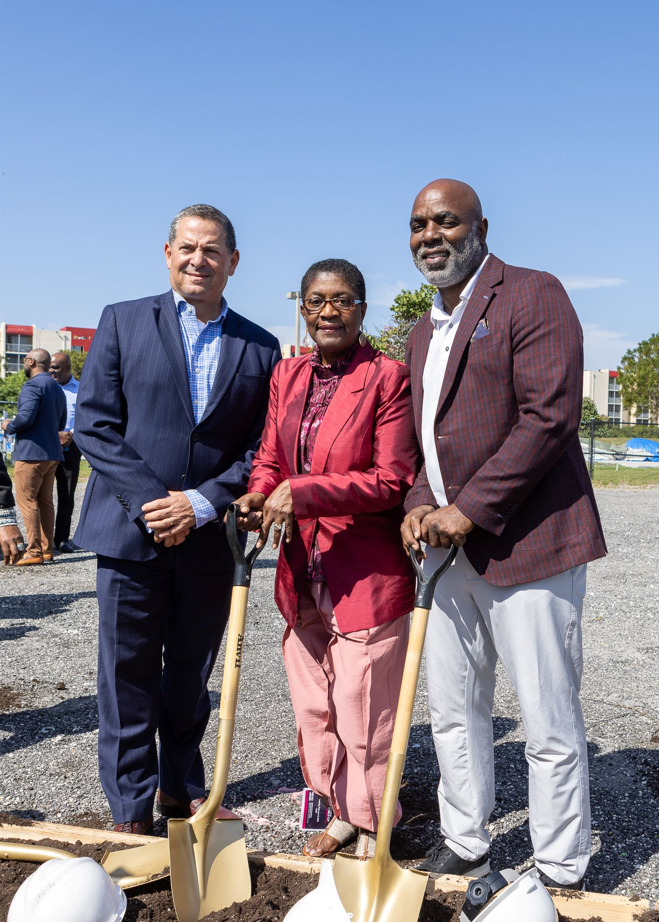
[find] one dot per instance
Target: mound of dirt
(275, 891)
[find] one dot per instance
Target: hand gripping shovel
(378, 890)
(207, 857)
(209, 868)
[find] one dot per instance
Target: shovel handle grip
(244, 562)
(426, 584)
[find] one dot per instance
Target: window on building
(615, 403)
(18, 346)
(643, 416)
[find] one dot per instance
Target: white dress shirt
(434, 370)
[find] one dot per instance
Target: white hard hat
(68, 890)
(323, 904)
(508, 898)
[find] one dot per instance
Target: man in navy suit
(40, 414)
(171, 407)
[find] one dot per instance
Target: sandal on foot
(330, 840)
(365, 845)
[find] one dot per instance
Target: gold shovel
(209, 869)
(378, 890)
(20, 851)
(207, 858)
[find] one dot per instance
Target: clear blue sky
(313, 125)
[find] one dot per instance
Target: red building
(81, 337)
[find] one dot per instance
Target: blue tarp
(647, 445)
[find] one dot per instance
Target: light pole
(296, 295)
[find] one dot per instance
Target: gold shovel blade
(205, 883)
(379, 890)
(134, 867)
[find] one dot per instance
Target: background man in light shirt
(68, 471)
(172, 403)
(497, 381)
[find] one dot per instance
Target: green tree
(77, 361)
(10, 388)
(638, 376)
(408, 306)
(589, 410)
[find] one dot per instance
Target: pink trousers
(344, 689)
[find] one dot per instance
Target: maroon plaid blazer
(507, 428)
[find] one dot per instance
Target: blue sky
(313, 125)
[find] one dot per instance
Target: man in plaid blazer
(497, 385)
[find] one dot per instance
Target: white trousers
(535, 629)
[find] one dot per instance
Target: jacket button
(194, 437)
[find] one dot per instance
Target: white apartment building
(602, 388)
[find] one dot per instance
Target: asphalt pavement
(48, 719)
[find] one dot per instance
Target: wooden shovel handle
(401, 735)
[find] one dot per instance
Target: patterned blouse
(325, 380)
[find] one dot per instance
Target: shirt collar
(182, 305)
(439, 315)
(337, 367)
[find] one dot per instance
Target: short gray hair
(210, 214)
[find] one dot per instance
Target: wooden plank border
(573, 906)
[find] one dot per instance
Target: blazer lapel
(425, 337)
(166, 318)
(231, 352)
(296, 402)
(342, 405)
(478, 303)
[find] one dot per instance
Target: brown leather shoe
(182, 809)
(136, 827)
(47, 558)
(28, 561)
(222, 814)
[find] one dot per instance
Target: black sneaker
(442, 860)
(66, 547)
(550, 882)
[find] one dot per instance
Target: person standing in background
(40, 415)
(66, 474)
(11, 539)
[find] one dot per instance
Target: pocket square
(482, 329)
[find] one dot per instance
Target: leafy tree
(10, 388)
(77, 361)
(408, 306)
(638, 376)
(589, 410)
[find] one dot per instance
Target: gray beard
(464, 258)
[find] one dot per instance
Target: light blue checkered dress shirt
(202, 344)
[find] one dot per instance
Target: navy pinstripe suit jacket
(136, 427)
(507, 428)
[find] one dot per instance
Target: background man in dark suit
(67, 473)
(11, 539)
(171, 406)
(40, 414)
(497, 385)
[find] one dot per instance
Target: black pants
(161, 625)
(66, 477)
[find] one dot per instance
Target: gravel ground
(48, 721)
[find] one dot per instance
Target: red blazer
(507, 428)
(364, 462)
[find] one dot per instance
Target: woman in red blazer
(337, 457)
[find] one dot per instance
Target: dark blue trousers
(161, 625)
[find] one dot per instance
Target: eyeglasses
(315, 305)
